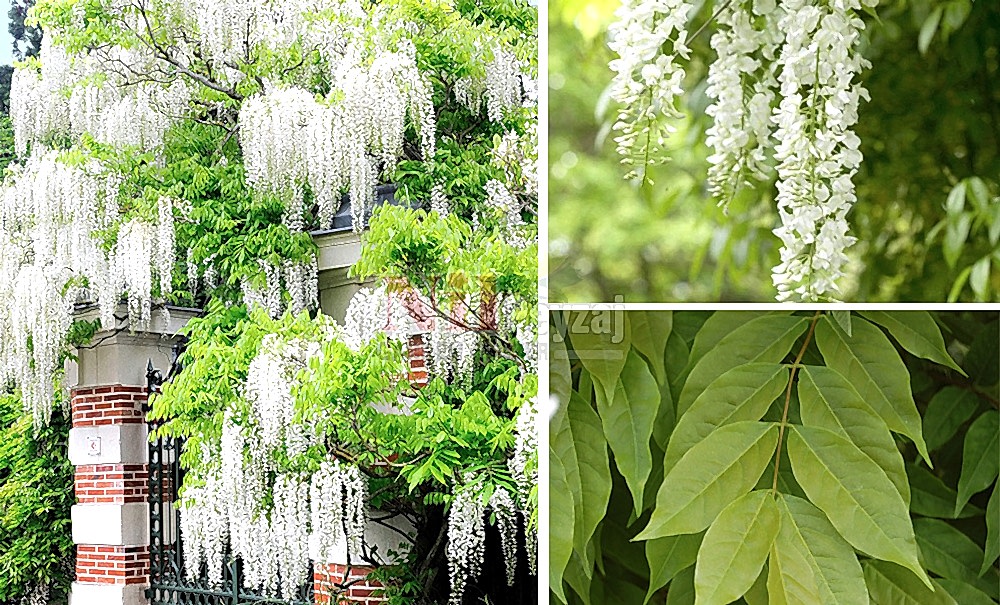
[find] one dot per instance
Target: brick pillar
(108, 444)
(417, 361)
(111, 517)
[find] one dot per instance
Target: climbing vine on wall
(817, 457)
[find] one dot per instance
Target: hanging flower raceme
(51, 212)
(467, 536)
(338, 509)
(647, 36)
(500, 90)
(204, 528)
(802, 55)
(506, 514)
(290, 528)
(742, 83)
(38, 109)
(518, 154)
(291, 140)
(39, 320)
(817, 150)
(300, 279)
(374, 311)
(466, 541)
(452, 350)
(503, 84)
(87, 93)
(306, 516)
(230, 31)
(502, 202)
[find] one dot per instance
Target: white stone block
(115, 444)
(121, 358)
(337, 250)
(107, 594)
(111, 524)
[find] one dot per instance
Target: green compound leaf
(951, 554)
(930, 497)
(835, 566)
(916, 332)
(790, 577)
(560, 380)
(743, 393)
(722, 467)
(650, 331)
(560, 524)
(828, 400)
(667, 557)
(855, 494)
(594, 471)
(628, 424)
(735, 548)
(890, 584)
(992, 530)
(601, 340)
(757, 595)
(764, 339)
(964, 593)
(870, 362)
(947, 411)
(682, 588)
(980, 457)
(720, 325)
(843, 319)
(834, 575)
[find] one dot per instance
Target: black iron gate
(168, 581)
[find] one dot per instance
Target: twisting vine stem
(788, 396)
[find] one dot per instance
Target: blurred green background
(928, 211)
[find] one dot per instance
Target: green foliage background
(884, 428)
(36, 493)
(927, 217)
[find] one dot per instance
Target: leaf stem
(788, 397)
(712, 18)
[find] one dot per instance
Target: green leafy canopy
(792, 461)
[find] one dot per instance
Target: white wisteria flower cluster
(648, 36)
(292, 140)
(51, 211)
(308, 516)
(452, 348)
(817, 150)
(232, 31)
(374, 311)
(466, 531)
(520, 152)
(97, 94)
(523, 466)
(466, 541)
(500, 90)
(742, 84)
(784, 93)
(299, 279)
